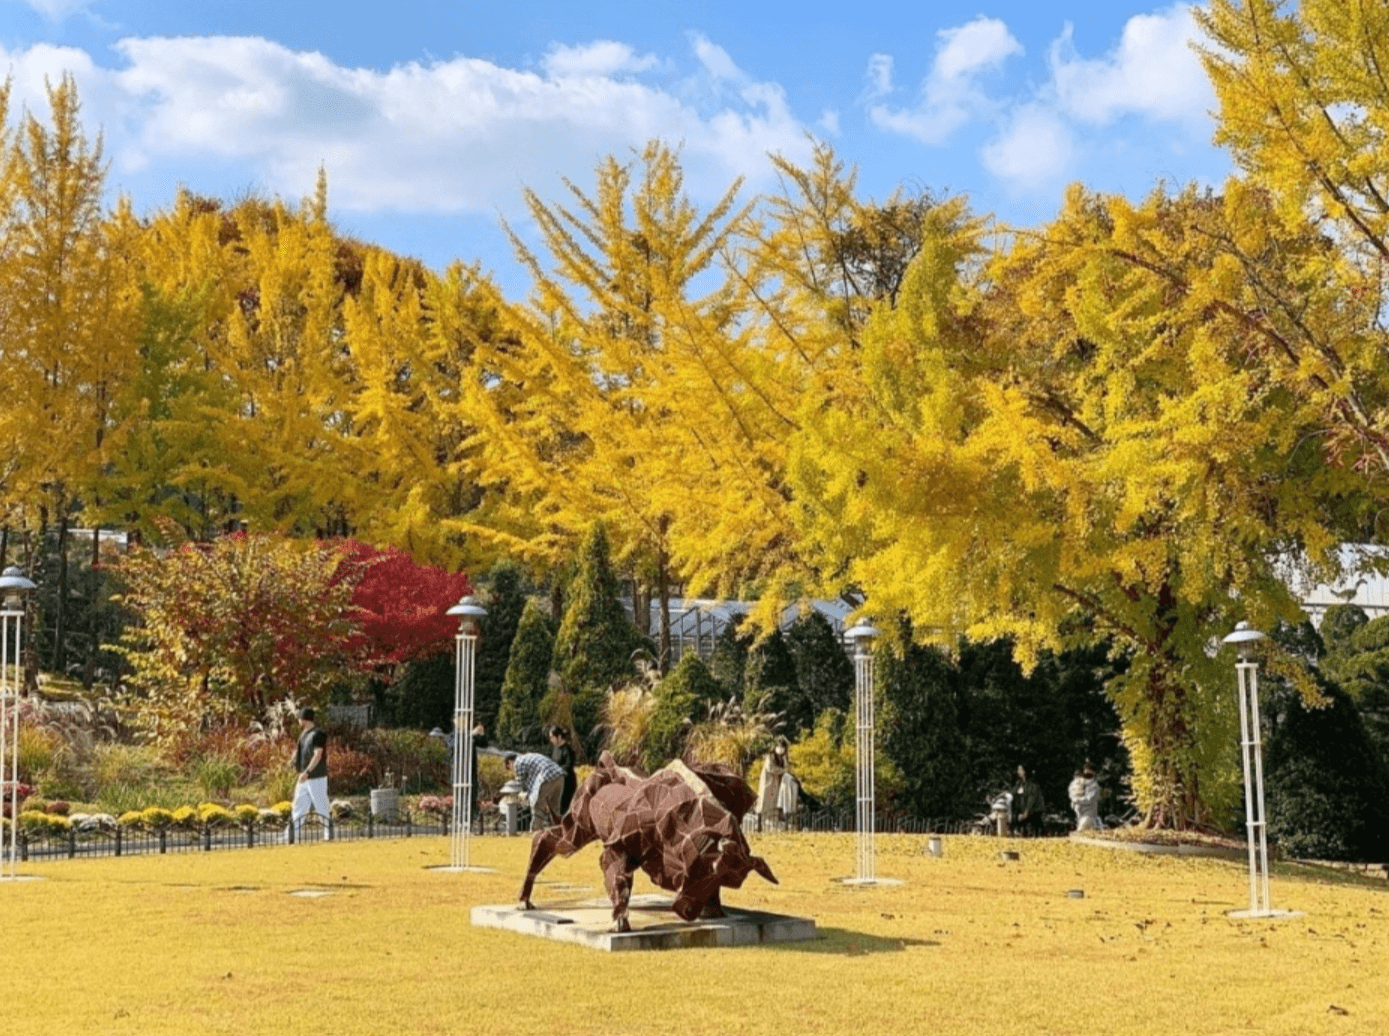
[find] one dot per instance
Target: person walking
(544, 783)
(562, 753)
(1028, 805)
(311, 766)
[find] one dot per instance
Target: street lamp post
(13, 588)
(1251, 752)
(865, 871)
(469, 613)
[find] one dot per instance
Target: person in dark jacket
(562, 753)
(479, 742)
(1028, 805)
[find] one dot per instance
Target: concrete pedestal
(654, 925)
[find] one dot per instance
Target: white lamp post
(13, 587)
(1251, 745)
(865, 872)
(469, 613)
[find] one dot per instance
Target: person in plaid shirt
(544, 782)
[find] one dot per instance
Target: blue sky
(431, 115)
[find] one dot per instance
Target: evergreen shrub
(1327, 788)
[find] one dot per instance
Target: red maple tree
(401, 605)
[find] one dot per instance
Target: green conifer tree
(527, 677)
(504, 593)
(824, 674)
(596, 638)
(920, 730)
(1328, 787)
(728, 664)
(769, 681)
(680, 700)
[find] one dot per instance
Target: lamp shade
(13, 587)
(468, 612)
(1244, 634)
(1244, 638)
(863, 631)
(12, 579)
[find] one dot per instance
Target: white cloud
(450, 136)
(950, 95)
(1042, 131)
(879, 75)
(55, 9)
(1153, 72)
(599, 59)
(31, 71)
(1034, 149)
(716, 60)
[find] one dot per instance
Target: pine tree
(1357, 660)
(505, 598)
(681, 699)
(920, 730)
(594, 646)
(1327, 785)
(728, 664)
(769, 682)
(527, 678)
(824, 673)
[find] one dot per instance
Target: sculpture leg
(565, 840)
(617, 875)
(543, 846)
(713, 907)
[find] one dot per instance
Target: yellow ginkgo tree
(1060, 443)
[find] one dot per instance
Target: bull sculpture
(681, 825)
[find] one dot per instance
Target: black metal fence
(887, 822)
(842, 820)
(126, 841)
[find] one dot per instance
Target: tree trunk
(60, 655)
(1176, 803)
(94, 640)
(4, 546)
(663, 588)
(641, 606)
(29, 653)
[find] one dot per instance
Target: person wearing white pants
(311, 764)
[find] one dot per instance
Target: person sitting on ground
(1028, 801)
(544, 783)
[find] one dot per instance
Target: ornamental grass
(971, 943)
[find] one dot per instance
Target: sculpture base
(448, 868)
(654, 925)
(1264, 915)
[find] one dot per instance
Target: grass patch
(1202, 839)
(970, 944)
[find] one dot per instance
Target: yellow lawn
(215, 944)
